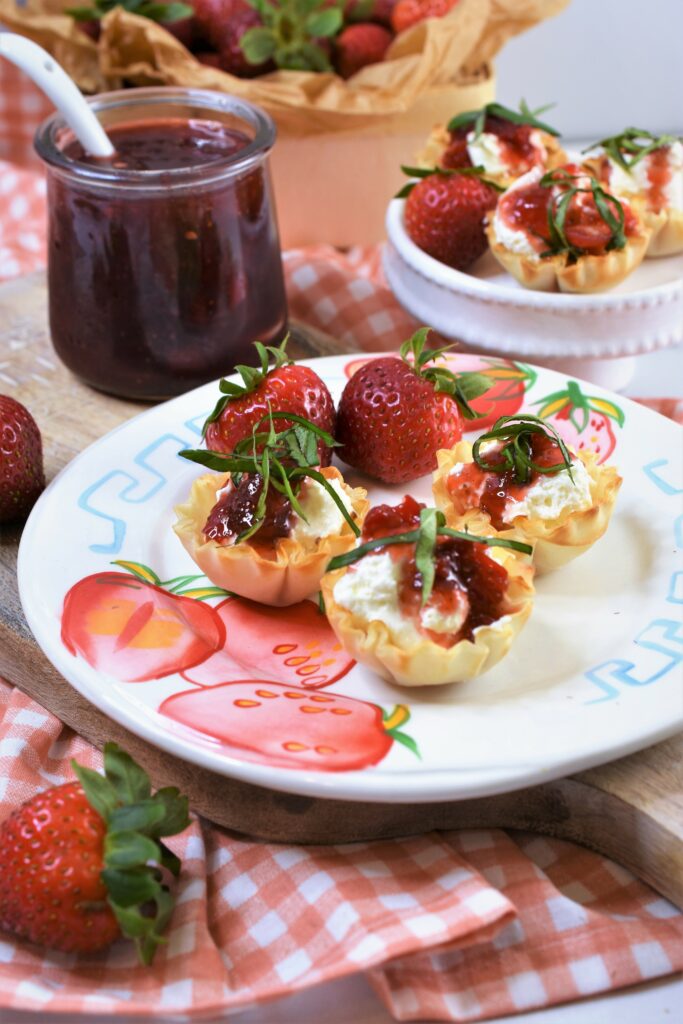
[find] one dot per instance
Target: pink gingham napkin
(453, 926)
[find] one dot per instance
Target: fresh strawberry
(282, 387)
(21, 460)
(407, 13)
(360, 45)
(81, 863)
(395, 414)
(288, 727)
(134, 629)
(445, 214)
(505, 395)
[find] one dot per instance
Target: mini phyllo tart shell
(555, 541)
(279, 573)
(586, 275)
(666, 231)
(419, 661)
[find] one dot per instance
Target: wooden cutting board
(630, 810)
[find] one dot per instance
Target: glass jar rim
(47, 147)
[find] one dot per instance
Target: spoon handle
(60, 88)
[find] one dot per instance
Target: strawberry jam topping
(464, 575)
(387, 520)
(489, 490)
(517, 146)
(466, 580)
(658, 176)
(526, 209)
(235, 512)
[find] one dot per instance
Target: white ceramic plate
(595, 674)
(487, 308)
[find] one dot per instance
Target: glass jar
(164, 261)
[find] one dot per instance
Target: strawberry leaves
(444, 172)
(252, 377)
(290, 32)
(134, 857)
(463, 387)
(161, 12)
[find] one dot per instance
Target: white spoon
(58, 87)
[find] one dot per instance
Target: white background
(607, 64)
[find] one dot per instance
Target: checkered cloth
(454, 926)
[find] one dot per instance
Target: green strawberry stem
(445, 172)
(463, 387)
(252, 377)
(155, 11)
(181, 586)
(290, 32)
(135, 859)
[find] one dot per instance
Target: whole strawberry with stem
(22, 477)
(359, 45)
(395, 414)
(83, 863)
(283, 386)
(445, 213)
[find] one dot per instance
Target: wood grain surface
(630, 810)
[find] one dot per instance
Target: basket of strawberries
(353, 85)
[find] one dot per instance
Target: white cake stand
(592, 336)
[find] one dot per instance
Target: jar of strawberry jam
(163, 261)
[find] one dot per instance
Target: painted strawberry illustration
(294, 645)
(134, 627)
(584, 421)
(504, 398)
(290, 727)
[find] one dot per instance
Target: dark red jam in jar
(164, 261)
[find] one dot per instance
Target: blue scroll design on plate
(659, 647)
(663, 637)
(149, 472)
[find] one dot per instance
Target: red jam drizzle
(235, 512)
(387, 520)
(658, 176)
(490, 491)
(462, 567)
(526, 209)
(463, 571)
(518, 150)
